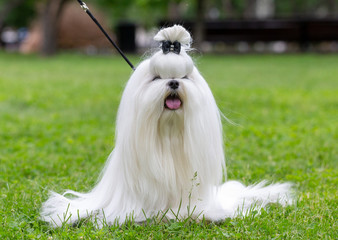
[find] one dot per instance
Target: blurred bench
(291, 30)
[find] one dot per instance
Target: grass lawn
(57, 121)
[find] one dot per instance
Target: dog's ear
(176, 33)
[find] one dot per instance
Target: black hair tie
(168, 46)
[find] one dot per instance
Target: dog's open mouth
(172, 102)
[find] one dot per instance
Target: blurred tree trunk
(332, 7)
(50, 16)
(174, 11)
(250, 9)
(228, 8)
(200, 23)
(296, 9)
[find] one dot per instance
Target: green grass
(57, 128)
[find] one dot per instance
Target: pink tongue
(173, 103)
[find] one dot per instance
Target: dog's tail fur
(234, 199)
(59, 209)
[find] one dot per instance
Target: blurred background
(218, 26)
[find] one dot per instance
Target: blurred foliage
(20, 15)
(145, 12)
(149, 12)
(297, 7)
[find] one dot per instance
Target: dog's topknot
(177, 63)
(174, 33)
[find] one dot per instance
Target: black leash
(86, 9)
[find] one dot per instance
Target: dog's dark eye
(156, 78)
(185, 77)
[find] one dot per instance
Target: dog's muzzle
(173, 101)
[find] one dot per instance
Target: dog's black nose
(173, 84)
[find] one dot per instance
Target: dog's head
(172, 67)
(168, 82)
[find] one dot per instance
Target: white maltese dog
(168, 159)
